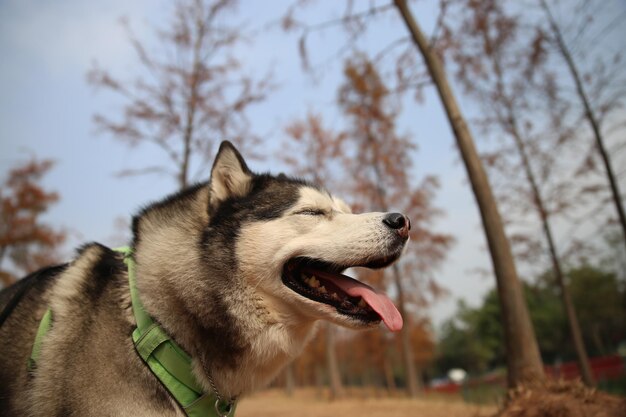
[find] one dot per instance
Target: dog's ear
(230, 176)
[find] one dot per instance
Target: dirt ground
(562, 399)
(307, 403)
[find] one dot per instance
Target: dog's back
(21, 307)
(89, 342)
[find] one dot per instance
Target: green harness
(168, 362)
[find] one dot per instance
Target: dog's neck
(232, 336)
(267, 354)
(240, 352)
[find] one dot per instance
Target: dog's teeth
(334, 296)
(362, 303)
(307, 280)
(314, 283)
(322, 289)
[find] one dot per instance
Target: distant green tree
(472, 339)
(599, 297)
(460, 345)
(549, 320)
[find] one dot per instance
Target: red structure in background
(604, 368)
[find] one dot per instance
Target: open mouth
(323, 282)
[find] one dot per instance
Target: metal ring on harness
(223, 412)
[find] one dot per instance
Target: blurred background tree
(195, 94)
(501, 63)
(27, 242)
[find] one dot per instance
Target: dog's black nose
(399, 222)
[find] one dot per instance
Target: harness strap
(155, 343)
(44, 325)
(169, 363)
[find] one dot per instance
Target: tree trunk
(389, 377)
(511, 125)
(574, 326)
(570, 312)
(290, 381)
(192, 103)
(334, 377)
(589, 115)
(3, 251)
(412, 382)
(319, 382)
(597, 339)
(184, 166)
(523, 359)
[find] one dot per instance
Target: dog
(236, 272)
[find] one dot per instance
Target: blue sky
(46, 108)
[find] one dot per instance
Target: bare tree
(524, 361)
(381, 166)
(189, 95)
(589, 113)
(493, 40)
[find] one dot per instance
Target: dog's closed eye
(311, 212)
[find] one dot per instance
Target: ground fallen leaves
(562, 399)
(306, 403)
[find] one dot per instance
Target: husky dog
(237, 271)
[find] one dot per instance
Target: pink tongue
(379, 302)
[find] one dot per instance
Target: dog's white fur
(289, 319)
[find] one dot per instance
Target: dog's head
(238, 270)
(292, 241)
